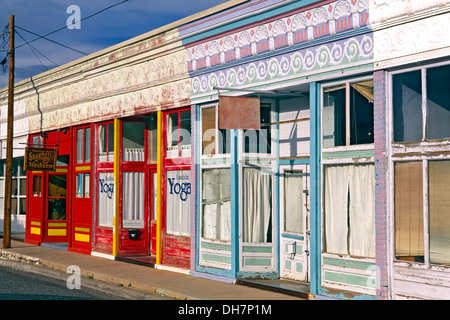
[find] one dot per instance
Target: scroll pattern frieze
(293, 29)
(308, 61)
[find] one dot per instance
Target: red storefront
(176, 188)
(59, 206)
(114, 209)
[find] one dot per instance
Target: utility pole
(9, 141)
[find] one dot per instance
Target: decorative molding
(308, 61)
(403, 43)
(292, 29)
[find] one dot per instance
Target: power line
(62, 28)
(34, 50)
(44, 37)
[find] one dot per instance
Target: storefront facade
(339, 185)
(263, 196)
(122, 138)
(411, 151)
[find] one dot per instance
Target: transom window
(348, 114)
(421, 104)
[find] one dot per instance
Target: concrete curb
(25, 263)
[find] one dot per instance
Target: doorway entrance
(294, 222)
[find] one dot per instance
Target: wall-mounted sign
(239, 113)
(40, 159)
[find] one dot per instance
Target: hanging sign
(239, 113)
(40, 159)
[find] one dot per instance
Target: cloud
(119, 23)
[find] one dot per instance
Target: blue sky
(121, 22)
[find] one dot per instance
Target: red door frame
(128, 246)
(175, 249)
(103, 235)
(152, 214)
(35, 230)
(80, 239)
(57, 230)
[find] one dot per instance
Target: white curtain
(350, 210)
(133, 154)
(102, 143)
(133, 199)
(257, 211)
(293, 201)
(105, 196)
(178, 190)
(362, 211)
(80, 146)
(216, 197)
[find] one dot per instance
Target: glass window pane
(14, 186)
(133, 199)
(79, 185)
(408, 211)
(153, 139)
(57, 209)
(172, 129)
(439, 190)
(14, 203)
(37, 141)
(438, 102)
(101, 143)
(185, 128)
(22, 205)
(154, 194)
(349, 210)
(209, 131)
(407, 106)
(293, 202)
(334, 132)
(178, 190)
(87, 145)
(23, 187)
(257, 209)
(80, 145)
(216, 201)
(133, 141)
(105, 199)
(62, 161)
(259, 141)
(361, 113)
(87, 185)
(110, 142)
(57, 185)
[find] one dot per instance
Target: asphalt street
(20, 281)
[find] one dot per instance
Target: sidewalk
(169, 283)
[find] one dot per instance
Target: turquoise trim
(251, 20)
(315, 220)
(293, 236)
(277, 214)
(292, 162)
(197, 199)
(234, 203)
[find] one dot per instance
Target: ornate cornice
(298, 28)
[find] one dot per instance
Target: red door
(35, 208)
(81, 218)
(105, 188)
(153, 210)
(56, 190)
